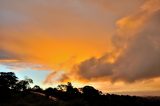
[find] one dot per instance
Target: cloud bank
(137, 43)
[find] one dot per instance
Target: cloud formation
(138, 42)
(98, 41)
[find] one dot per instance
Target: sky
(113, 45)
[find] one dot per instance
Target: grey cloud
(139, 61)
(6, 55)
(142, 58)
(93, 68)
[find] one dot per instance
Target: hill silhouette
(15, 92)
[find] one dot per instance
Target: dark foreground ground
(36, 99)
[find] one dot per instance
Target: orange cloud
(83, 41)
(132, 48)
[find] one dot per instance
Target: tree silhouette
(7, 82)
(22, 85)
(90, 91)
(62, 87)
(49, 91)
(71, 90)
(8, 79)
(37, 88)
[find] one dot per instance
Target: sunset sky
(113, 45)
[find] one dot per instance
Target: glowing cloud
(137, 43)
(85, 41)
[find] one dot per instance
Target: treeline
(66, 94)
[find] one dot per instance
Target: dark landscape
(14, 92)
